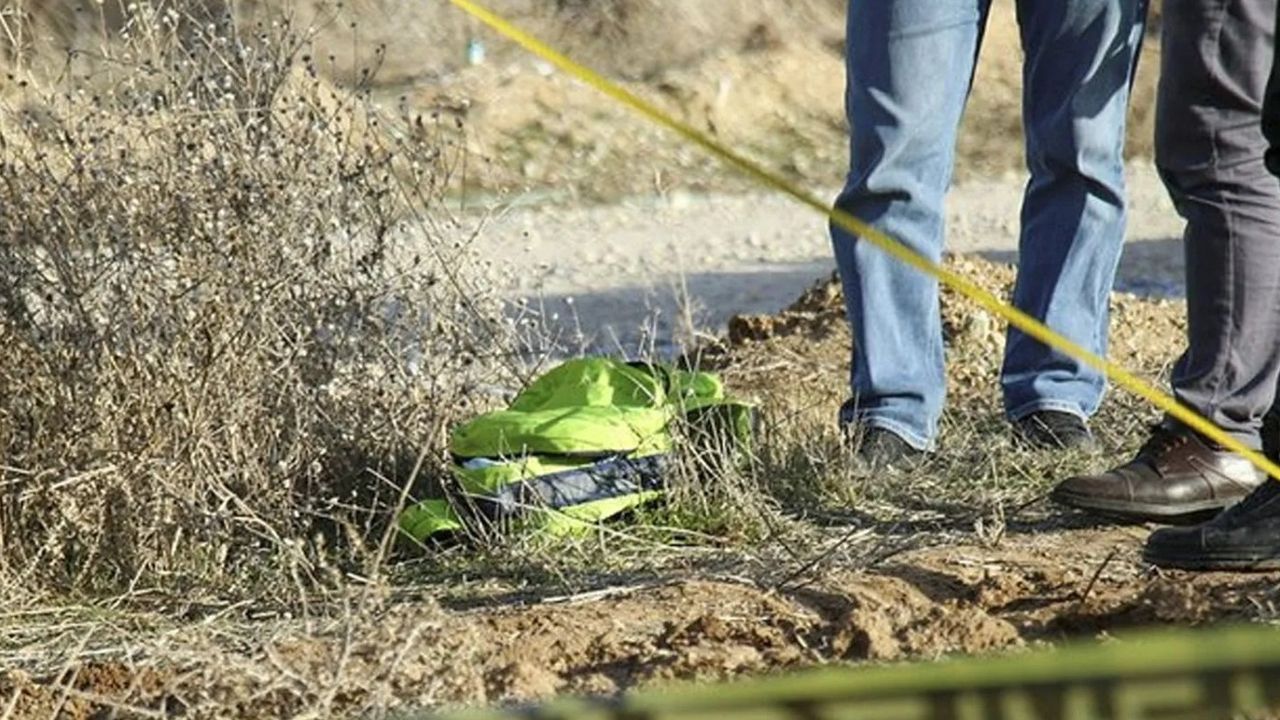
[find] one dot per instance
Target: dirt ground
(654, 272)
(1002, 573)
(767, 78)
(764, 76)
(917, 587)
(965, 599)
(601, 213)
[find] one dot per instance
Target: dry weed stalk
(216, 333)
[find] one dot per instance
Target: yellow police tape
(1215, 675)
(1027, 324)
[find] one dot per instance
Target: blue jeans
(910, 64)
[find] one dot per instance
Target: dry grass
(802, 495)
(222, 347)
(236, 323)
(227, 359)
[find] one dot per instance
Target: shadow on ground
(653, 319)
(656, 318)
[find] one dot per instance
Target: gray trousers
(1210, 148)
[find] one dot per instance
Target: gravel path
(613, 276)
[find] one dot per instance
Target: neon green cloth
(591, 407)
(579, 416)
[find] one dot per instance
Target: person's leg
(1209, 149)
(910, 63)
(1080, 60)
(1247, 535)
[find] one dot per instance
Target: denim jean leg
(909, 68)
(1080, 60)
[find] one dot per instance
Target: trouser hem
(1036, 406)
(909, 435)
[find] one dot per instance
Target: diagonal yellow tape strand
(989, 302)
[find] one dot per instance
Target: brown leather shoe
(1176, 477)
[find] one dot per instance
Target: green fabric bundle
(588, 440)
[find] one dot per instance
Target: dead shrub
(233, 315)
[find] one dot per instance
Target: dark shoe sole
(1181, 514)
(1259, 561)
